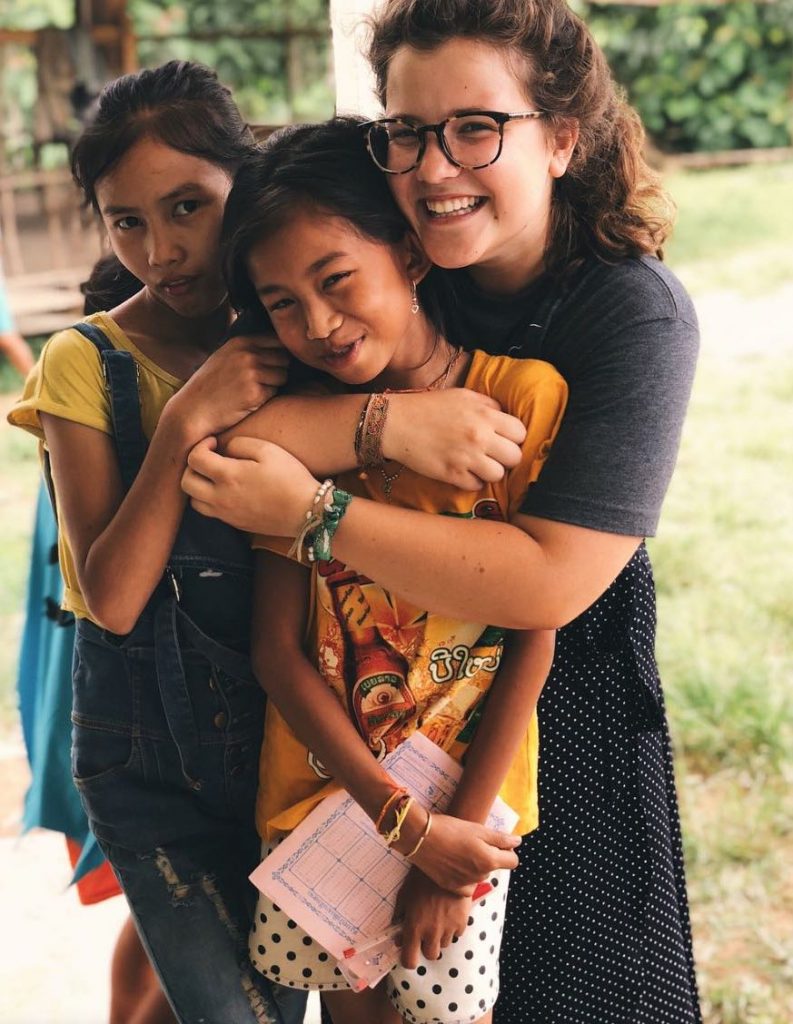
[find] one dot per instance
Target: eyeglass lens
(471, 141)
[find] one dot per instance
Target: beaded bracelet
(422, 837)
(312, 519)
(321, 537)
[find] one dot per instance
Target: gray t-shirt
(625, 338)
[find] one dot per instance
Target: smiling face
(493, 220)
(341, 302)
(163, 210)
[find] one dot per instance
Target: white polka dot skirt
(458, 988)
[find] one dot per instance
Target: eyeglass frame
(439, 129)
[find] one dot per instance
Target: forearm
(126, 561)
(319, 431)
(317, 718)
(14, 347)
(510, 706)
(473, 570)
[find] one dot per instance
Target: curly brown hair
(609, 203)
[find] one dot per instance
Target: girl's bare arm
(531, 574)
(458, 436)
(120, 543)
(431, 916)
(512, 701)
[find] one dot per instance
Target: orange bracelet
(403, 806)
(398, 792)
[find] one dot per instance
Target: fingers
(250, 448)
(467, 481)
(505, 859)
(505, 451)
(410, 950)
(204, 460)
(487, 469)
(502, 840)
(431, 946)
(196, 487)
(510, 427)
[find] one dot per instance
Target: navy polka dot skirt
(597, 926)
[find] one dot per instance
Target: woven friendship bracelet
(370, 454)
(319, 540)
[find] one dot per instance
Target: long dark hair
(108, 285)
(609, 203)
(323, 166)
(182, 104)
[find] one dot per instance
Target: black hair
(108, 285)
(323, 166)
(182, 104)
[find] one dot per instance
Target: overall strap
(530, 337)
(121, 380)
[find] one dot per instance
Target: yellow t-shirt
(396, 668)
(68, 381)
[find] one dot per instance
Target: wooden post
(354, 80)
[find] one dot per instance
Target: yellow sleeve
(536, 393)
(67, 381)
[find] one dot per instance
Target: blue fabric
(6, 319)
(167, 725)
(45, 698)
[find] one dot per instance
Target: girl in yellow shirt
(353, 670)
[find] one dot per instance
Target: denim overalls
(167, 725)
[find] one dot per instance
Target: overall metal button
(220, 720)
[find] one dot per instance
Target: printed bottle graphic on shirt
(375, 673)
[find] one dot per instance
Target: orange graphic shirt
(396, 668)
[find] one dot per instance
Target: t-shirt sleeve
(67, 381)
(612, 460)
(536, 393)
(543, 410)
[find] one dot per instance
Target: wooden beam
(101, 34)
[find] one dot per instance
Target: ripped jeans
(165, 756)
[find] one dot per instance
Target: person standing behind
(12, 345)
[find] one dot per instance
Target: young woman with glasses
(549, 229)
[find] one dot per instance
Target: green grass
(734, 227)
(723, 568)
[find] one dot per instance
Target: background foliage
(274, 80)
(704, 76)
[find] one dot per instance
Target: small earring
(414, 308)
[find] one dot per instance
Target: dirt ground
(56, 952)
